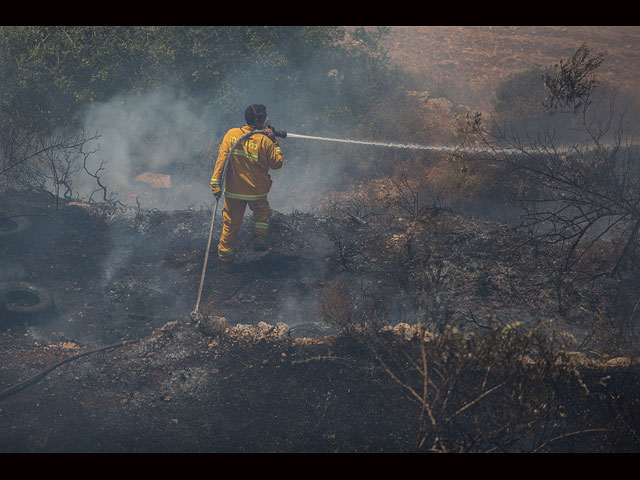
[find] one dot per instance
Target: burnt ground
(279, 379)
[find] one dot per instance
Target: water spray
(377, 144)
(489, 149)
(220, 322)
(411, 146)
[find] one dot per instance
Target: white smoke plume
(155, 131)
(149, 132)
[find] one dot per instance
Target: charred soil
(280, 378)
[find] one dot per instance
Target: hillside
(383, 319)
(477, 57)
(119, 365)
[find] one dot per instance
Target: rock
(619, 362)
(264, 327)
(443, 103)
(404, 331)
(211, 325)
(418, 93)
(408, 332)
(155, 180)
(429, 336)
(169, 325)
(282, 330)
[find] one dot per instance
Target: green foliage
(57, 69)
(313, 78)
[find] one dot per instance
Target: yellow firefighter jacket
(247, 175)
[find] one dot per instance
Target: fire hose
(30, 381)
(277, 133)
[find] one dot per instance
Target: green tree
(314, 76)
(54, 70)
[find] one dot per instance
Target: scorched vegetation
(484, 300)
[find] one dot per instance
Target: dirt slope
(262, 387)
(477, 57)
(131, 276)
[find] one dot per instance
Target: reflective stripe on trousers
(232, 214)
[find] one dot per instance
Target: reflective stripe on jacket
(247, 176)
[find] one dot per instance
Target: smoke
(151, 132)
(10, 270)
(162, 131)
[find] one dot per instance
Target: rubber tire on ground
(44, 305)
(22, 224)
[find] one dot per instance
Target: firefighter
(247, 181)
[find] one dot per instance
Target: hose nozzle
(277, 133)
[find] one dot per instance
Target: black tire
(25, 300)
(13, 226)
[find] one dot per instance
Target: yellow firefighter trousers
(232, 214)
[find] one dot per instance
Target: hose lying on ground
(30, 381)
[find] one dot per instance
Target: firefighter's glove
(217, 192)
(269, 132)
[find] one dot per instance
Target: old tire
(13, 226)
(24, 301)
